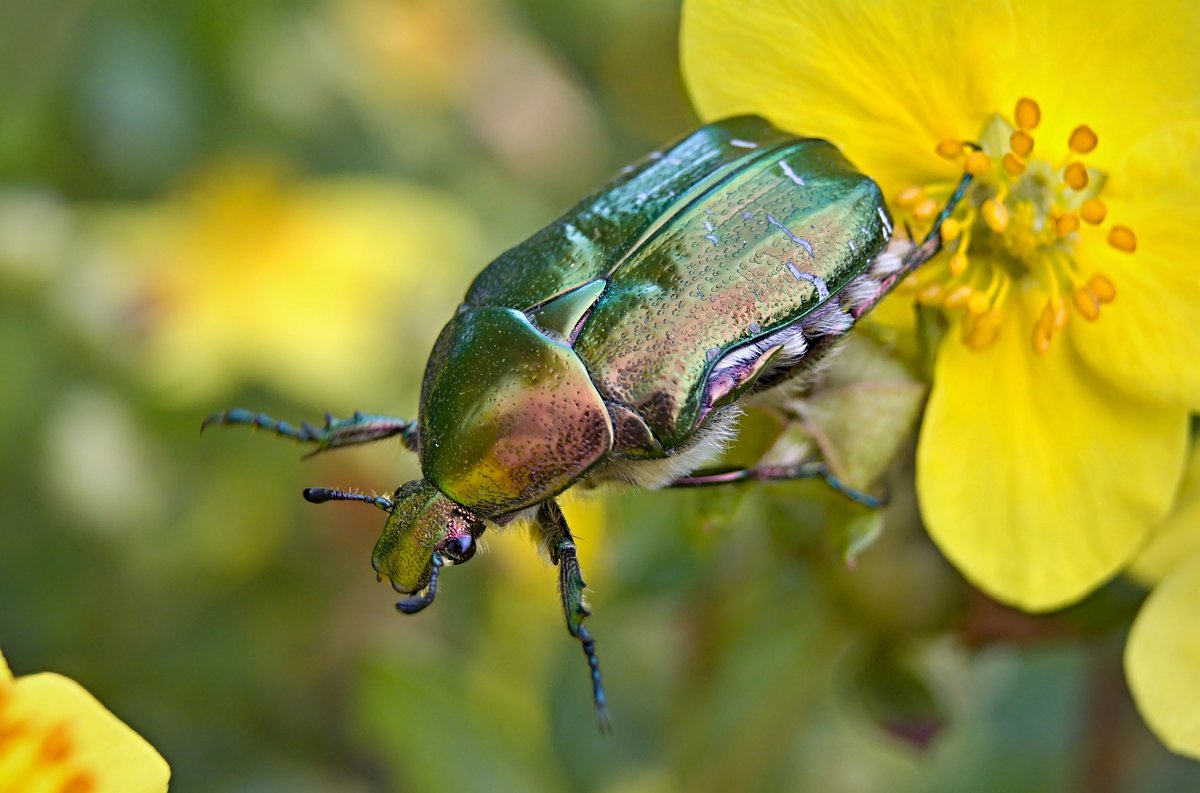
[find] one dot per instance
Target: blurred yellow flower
(56, 738)
(318, 288)
(1055, 433)
(1162, 653)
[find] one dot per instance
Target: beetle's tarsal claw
(418, 602)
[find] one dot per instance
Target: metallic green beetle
(614, 345)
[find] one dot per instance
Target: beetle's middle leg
(359, 428)
(810, 469)
(561, 545)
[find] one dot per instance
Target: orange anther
(1104, 289)
(1083, 139)
(949, 148)
(1027, 114)
(1086, 303)
(1066, 223)
(1122, 238)
(1013, 164)
(958, 264)
(1021, 142)
(1093, 211)
(978, 163)
(950, 230)
(1076, 176)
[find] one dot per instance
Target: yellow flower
(56, 738)
(1056, 429)
(1163, 650)
(304, 285)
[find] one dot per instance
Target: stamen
(1104, 289)
(950, 230)
(930, 294)
(1042, 334)
(1013, 164)
(1076, 176)
(1122, 238)
(978, 163)
(1021, 142)
(977, 303)
(957, 298)
(1086, 303)
(1083, 139)
(982, 331)
(1066, 223)
(950, 148)
(1027, 114)
(909, 196)
(958, 263)
(1057, 311)
(995, 215)
(1093, 211)
(925, 210)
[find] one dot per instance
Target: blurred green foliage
(195, 212)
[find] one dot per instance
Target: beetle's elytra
(614, 345)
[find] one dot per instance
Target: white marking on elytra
(747, 215)
(789, 173)
(853, 248)
(887, 226)
(803, 243)
(743, 144)
(708, 226)
(815, 280)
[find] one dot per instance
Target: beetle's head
(425, 530)
(423, 524)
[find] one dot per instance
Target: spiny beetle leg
(571, 586)
(417, 602)
(777, 473)
(359, 428)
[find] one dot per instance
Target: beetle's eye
(460, 548)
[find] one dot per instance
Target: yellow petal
(1148, 340)
(885, 80)
(5, 672)
(1162, 656)
(114, 757)
(1035, 480)
(1178, 537)
(1122, 68)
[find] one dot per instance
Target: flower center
(1019, 222)
(36, 755)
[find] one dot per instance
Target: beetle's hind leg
(561, 545)
(810, 469)
(359, 428)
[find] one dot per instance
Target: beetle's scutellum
(614, 345)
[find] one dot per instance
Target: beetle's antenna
(414, 604)
(319, 495)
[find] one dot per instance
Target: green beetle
(615, 344)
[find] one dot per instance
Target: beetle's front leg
(561, 545)
(359, 428)
(808, 469)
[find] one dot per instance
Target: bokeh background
(277, 205)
